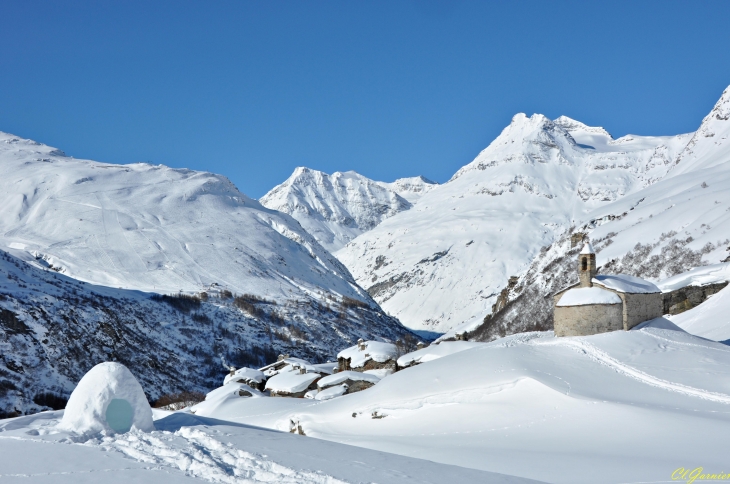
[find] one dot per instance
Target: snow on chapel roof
(584, 296)
(625, 283)
(587, 248)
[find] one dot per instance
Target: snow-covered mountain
(445, 261)
(336, 208)
(54, 328)
(411, 188)
(709, 145)
(155, 228)
(80, 239)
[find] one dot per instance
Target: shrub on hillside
(182, 302)
(178, 401)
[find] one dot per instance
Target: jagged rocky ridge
(336, 208)
(54, 328)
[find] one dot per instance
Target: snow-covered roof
(625, 283)
(587, 248)
(291, 381)
(584, 296)
(331, 392)
(380, 372)
(289, 361)
(700, 276)
(342, 376)
(376, 351)
(246, 374)
(327, 368)
(435, 352)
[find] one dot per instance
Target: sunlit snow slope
(411, 188)
(155, 228)
(444, 261)
(688, 209)
(617, 407)
(190, 449)
(337, 208)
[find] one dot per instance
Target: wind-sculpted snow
(186, 449)
(445, 261)
(625, 406)
(155, 228)
(336, 208)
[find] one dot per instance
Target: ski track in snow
(207, 458)
(603, 358)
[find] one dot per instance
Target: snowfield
(711, 319)
(187, 448)
(613, 408)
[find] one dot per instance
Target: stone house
(367, 355)
(354, 381)
(294, 383)
(602, 303)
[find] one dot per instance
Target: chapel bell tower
(587, 265)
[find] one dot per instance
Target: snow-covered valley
(181, 278)
(645, 405)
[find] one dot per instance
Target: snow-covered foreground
(187, 448)
(617, 407)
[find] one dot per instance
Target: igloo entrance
(107, 399)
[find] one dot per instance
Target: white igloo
(107, 399)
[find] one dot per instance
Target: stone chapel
(602, 303)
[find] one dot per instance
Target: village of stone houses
(558, 311)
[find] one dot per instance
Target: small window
(584, 264)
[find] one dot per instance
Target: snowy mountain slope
(445, 261)
(703, 150)
(412, 188)
(607, 407)
(54, 328)
(684, 219)
(671, 227)
(186, 448)
(336, 208)
(154, 228)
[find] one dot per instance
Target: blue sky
(389, 89)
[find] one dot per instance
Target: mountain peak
(571, 125)
(334, 208)
(709, 146)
